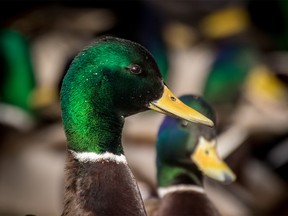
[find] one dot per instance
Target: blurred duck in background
(17, 83)
(251, 115)
(186, 151)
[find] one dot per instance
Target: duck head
(190, 145)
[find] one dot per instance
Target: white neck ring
(94, 157)
(179, 188)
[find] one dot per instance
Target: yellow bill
(169, 104)
(208, 161)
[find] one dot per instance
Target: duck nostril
(173, 98)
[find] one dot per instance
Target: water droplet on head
(184, 123)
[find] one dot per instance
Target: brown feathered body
(100, 188)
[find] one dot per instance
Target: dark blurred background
(233, 53)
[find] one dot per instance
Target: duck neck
(170, 175)
(90, 121)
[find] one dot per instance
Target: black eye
(184, 124)
(135, 69)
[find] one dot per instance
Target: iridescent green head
(112, 79)
(107, 81)
(122, 73)
(185, 148)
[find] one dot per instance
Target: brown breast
(100, 188)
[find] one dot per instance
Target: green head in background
(184, 150)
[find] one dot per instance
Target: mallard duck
(185, 151)
(108, 81)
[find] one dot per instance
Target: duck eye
(184, 124)
(135, 69)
